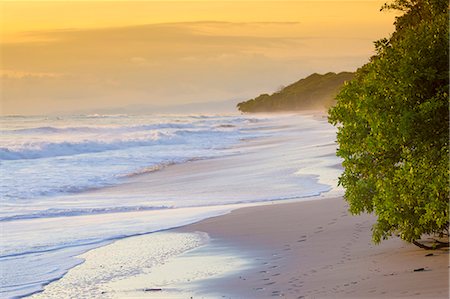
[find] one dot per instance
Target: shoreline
(305, 246)
(315, 249)
(305, 249)
(293, 153)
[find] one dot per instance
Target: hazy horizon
(95, 56)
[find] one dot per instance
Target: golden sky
(59, 56)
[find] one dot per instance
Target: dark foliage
(314, 92)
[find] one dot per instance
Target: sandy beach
(308, 249)
(303, 247)
(315, 249)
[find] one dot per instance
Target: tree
(393, 127)
(313, 92)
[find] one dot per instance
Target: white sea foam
(38, 251)
(119, 261)
(72, 154)
(131, 267)
(86, 144)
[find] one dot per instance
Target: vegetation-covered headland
(313, 92)
(393, 127)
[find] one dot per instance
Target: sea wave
(96, 129)
(43, 149)
(53, 213)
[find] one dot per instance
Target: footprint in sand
(276, 258)
(277, 293)
(319, 229)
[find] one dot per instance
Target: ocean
(73, 183)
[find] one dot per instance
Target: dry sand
(315, 249)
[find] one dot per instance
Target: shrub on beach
(393, 126)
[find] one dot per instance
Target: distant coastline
(313, 92)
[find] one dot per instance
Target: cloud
(17, 74)
(168, 63)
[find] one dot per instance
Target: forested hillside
(313, 92)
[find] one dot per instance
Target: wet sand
(299, 249)
(315, 249)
